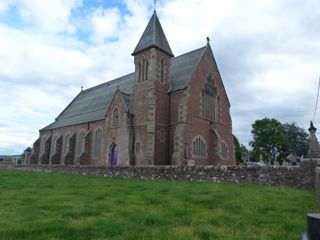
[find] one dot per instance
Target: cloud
(267, 52)
(104, 24)
(50, 16)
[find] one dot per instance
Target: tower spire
(153, 36)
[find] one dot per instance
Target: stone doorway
(113, 155)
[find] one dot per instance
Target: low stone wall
(298, 177)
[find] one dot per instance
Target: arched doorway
(113, 155)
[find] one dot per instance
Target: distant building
(168, 111)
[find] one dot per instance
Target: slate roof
(92, 104)
(153, 36)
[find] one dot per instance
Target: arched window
(209, 99)
(81, 140)
(224, 150)
(218, 109)
(199, 147)
(97, 142)
(146, 68)
(140, 72)
(137, 147)
(115, 118)
(162, 71)
(66, 143)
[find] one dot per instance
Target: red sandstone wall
(197, 124)
(119, 135)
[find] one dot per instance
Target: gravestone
(314, 147)
(314, 226)
(314, 155)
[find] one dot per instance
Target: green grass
(54, 206)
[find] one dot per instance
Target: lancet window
(97, 142)
(115, 118)
(143, 69)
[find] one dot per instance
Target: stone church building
(169, 111)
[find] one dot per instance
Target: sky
(267, 51)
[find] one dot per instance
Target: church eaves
(153, 36)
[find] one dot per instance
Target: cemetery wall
(292, 176)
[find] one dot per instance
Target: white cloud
(267, 52)
(51, 16)
(105, 24)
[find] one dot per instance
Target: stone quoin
(168, 111)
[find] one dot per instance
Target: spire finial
(155, 5)
(208, 40)
(81, 88)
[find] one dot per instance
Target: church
(172, 110)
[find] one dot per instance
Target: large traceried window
(115, 118)
(210, 107)
(199, 147)
(97, 142)
(81, 140)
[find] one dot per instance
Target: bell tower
(152, 59)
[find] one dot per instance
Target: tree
(25, 154)
(241, 152)
(297, 137)
(269, 139)
(237, 150)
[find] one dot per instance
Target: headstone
(314, 155)
(304, 236)
(313, 226)
(191, 163)
(314, 147)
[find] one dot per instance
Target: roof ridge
(106, 83)
(183, 54)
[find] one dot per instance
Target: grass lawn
(54, 206)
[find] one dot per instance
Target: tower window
(162, 71)
(218, 109)
(146, 67)
(140, 72)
